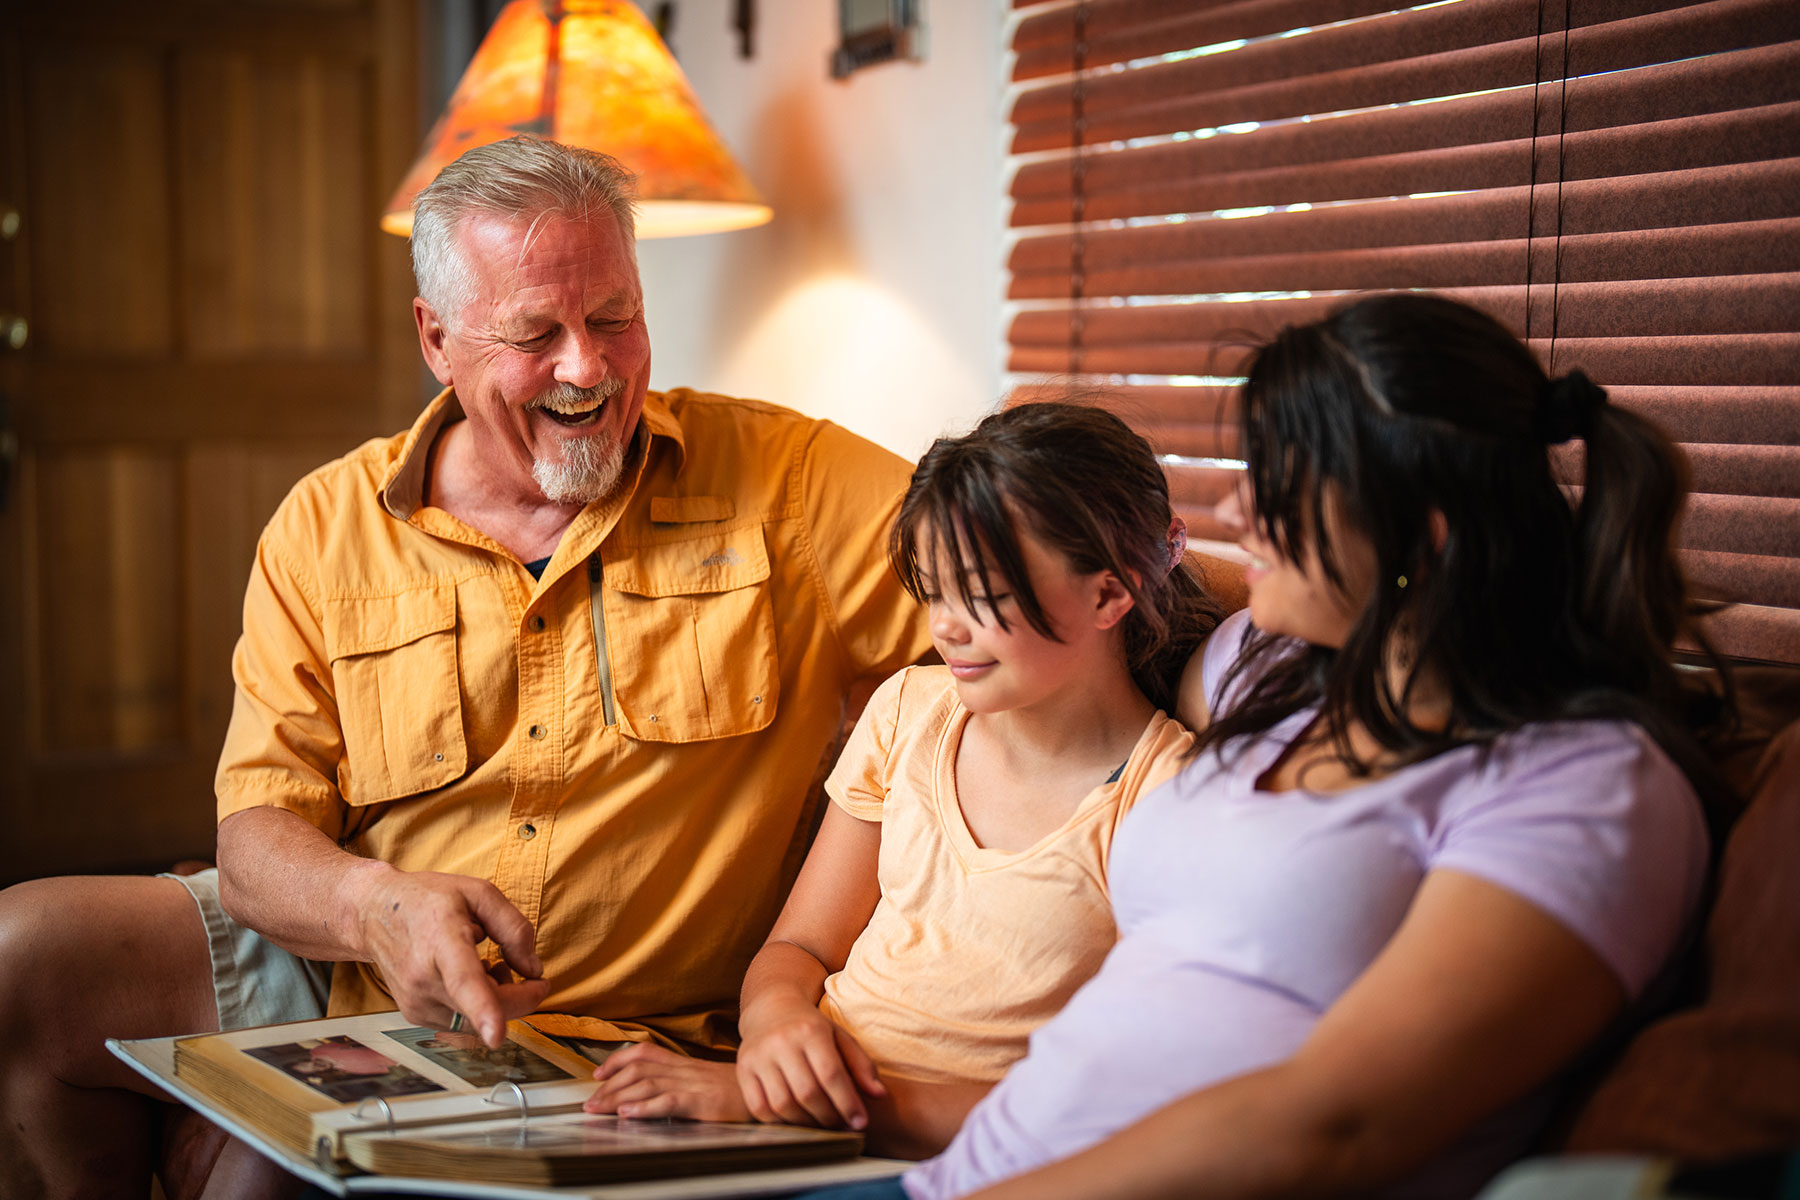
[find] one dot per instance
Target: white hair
(520, 179)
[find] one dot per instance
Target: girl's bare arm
(795, 1065)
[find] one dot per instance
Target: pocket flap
(366, 624)
(716, 561)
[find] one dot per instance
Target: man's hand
(649, 1081)
(289, 881)
(422, 930)
(798, 1067)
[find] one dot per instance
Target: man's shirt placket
(538, 749)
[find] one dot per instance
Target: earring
(1401, 581)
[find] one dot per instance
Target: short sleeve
(859, 782)
(283, 746)
(1221, 651)
(1592, 823)
(851, 490)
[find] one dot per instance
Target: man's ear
(1112, 602)
(431, 340)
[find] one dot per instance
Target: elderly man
(531, 699)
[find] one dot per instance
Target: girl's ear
(1439, 527)
(1112, 601)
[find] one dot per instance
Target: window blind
(1618, 181)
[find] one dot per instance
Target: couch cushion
(1722, 1079)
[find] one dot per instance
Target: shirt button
(527, 831)
(756, 699)
(536, 732)
(653, 718)
(537, 624)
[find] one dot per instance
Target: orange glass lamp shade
(592, 73)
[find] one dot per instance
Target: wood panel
(107, 564)
(213, 313)
(273, 201)
(96, 137)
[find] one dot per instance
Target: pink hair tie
(1177, 541)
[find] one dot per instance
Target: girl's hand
(649, 1081)
(799, 1068)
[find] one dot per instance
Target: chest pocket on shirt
(393, 660)
(691, 636)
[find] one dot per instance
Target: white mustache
(567, 398)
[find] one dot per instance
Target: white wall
(873, 298)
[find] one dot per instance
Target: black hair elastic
(1568, 407)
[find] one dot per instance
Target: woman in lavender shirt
(1441, 831)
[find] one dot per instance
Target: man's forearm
(289, 881)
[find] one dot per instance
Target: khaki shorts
(255, 982)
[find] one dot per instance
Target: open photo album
(339, 1098)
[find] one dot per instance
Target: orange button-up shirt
(628, 747)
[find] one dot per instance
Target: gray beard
(588, 470)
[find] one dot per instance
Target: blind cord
(1562, 141)
(1078, 187)
(1562, 125)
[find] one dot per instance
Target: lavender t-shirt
(1243, 915)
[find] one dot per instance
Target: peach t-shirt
(969, 949)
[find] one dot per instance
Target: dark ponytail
(1632, 598)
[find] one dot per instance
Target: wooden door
(209, 310)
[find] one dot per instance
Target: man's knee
(30, 949)
(84, 958)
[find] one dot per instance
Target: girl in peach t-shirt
(956, 894)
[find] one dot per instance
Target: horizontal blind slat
(1714, 415)
(1741, 359)
(1737, 577)
(1118, 33)
(1719, 415)
(1734, 304)
(1649, 307)
(1195, 422)
(1464, 121)
(1182, 178)
(1201, 422)
(1500, 118)
(1744, 470)
(1714, 469)
(1693, 251)
(1756, 525)
(1149, 191)
(1754, 360)
(1704, 196)
(1756, 631)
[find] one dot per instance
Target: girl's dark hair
(1534, 607)
(1084, 485)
